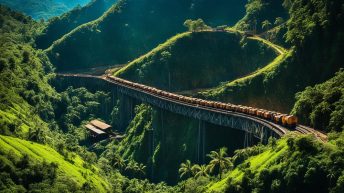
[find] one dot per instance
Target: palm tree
(140, 170)
(185, 169)
(200, 170)
(266, 25)
(136, 169)
(119, 162)
(219, 161)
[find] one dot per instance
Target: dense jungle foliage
(262, 15)
(322, 106)
(32, 110)
(131, 28)
(43, 9)
(44, 147)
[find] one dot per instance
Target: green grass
(278, 48)
(257, 163)
(137, 62)
(40, 152)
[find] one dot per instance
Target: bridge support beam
(201, 141)
(126, 108)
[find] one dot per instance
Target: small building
(96, 133)
(101, 125)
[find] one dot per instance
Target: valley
(196, 96)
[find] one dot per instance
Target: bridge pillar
(151, 148)
(163, 133)
(126, 110)
(201, 141)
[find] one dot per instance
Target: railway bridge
(252, 125)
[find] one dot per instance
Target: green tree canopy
(185, 169)
(266, 25)
(219, 162)
(196, 25)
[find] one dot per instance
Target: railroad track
(280, 130)
(307, 130)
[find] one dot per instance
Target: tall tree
(185, 169)
(266, 25)
(200, 170)
(219, 162)
(119, 163)
(196, 25)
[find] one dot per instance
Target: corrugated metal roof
(100, 125)
(95, 130)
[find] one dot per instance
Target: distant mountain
(132, 27)
(45, 9)
(63, 24)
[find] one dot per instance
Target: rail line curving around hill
(279, 129)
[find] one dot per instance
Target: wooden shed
(95, 132)
(101, 125)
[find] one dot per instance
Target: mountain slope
(69, 175)
(63, 24)
(45, 9)
(315, 30)
(258, 11)
(322, 106)
(26, 96)
(198, 60)
(293, 164)
(131, 28)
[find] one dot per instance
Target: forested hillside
(43, 9)
(315, 29)
(25, 93)
(61, 25)
(51, 158)
(185, 63)
(131, 28)
(27, 105)
(322, 106)
(282, 55)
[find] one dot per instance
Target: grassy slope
(199, 60)
(294, 164)
(117, 37)
(63, 24)
(256, 164)
(37, 152)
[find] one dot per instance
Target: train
(289, 121)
